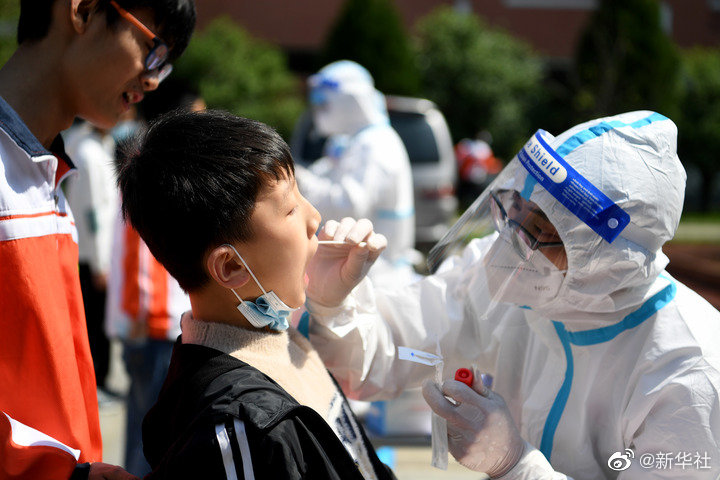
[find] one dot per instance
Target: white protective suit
(626, 357)
(370, 176)
(92, 194)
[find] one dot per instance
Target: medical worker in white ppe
(604, 366)
(367, 174)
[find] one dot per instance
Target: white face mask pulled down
(532, 283)
(267, 310)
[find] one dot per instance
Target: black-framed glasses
(523, 241)
(156, 59)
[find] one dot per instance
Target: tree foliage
(481, 78)
(699, 122)
(625, 61)
(9, 14)
(243, 75)
(370, 32)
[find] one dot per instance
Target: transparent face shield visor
(520, 257)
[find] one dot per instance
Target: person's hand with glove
(482, 435)
(336, 269)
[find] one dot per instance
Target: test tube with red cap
(464, 375)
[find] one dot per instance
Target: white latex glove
(336, 269)
(482, 435)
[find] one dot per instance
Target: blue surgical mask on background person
(267, 310)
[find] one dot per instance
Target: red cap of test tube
(464, 375)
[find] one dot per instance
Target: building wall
(551, 26)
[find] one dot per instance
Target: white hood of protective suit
(632, 159)
(351, 102)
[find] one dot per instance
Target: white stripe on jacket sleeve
(226, 451)
(224, 442)
(242, 441)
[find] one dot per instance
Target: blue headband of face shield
(320, 88)
(546, 167)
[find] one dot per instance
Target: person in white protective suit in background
(367, 171)
(609, 366)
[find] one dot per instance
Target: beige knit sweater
(286, 357)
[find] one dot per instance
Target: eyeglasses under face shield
(524, 224)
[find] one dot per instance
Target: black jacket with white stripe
(218, 417)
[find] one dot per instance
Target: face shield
(522, 257)
(511, 229)
(323, 104)
(343, 99)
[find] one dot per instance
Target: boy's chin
(299, 302)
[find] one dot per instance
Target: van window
(417, 135)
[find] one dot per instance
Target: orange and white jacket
(48, 403)
(143, 299)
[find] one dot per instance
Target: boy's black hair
(190, 184)
(175, 17)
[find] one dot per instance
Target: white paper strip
(418, 356)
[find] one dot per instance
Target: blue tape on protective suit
(571, 189)
(600, 129)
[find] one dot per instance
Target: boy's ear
(80, 11)
(226, 269)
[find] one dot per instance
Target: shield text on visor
(571, 189)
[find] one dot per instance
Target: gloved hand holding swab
(337, 266)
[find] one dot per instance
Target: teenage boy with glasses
(91, 59)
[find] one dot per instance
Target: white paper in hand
(439, 424)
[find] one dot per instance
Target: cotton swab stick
(339, 243)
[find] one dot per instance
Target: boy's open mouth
(132, 97)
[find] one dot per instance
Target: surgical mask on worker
(267, 310)
(512, 279)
